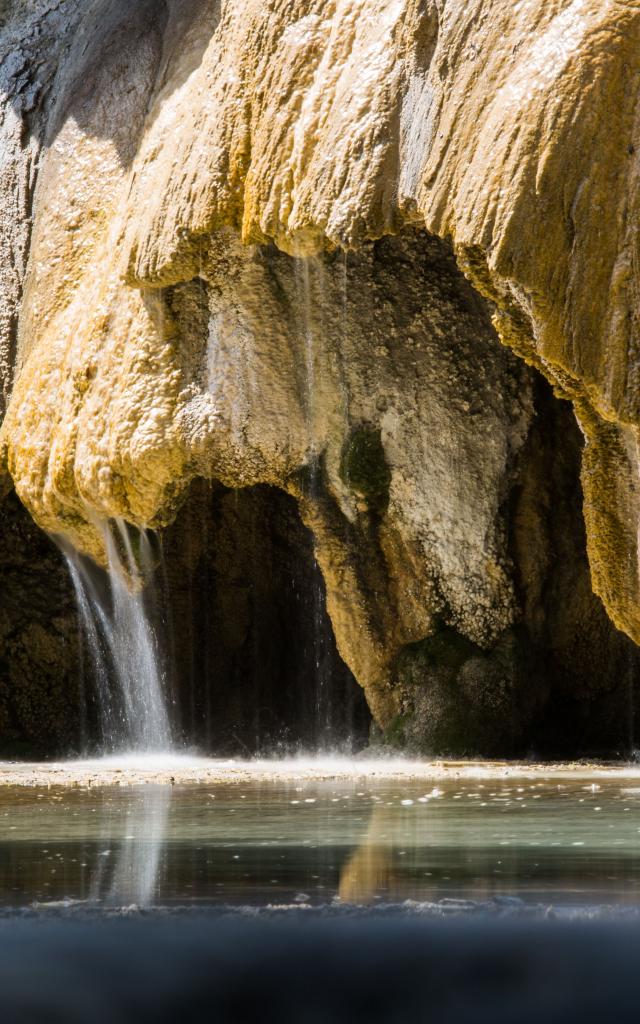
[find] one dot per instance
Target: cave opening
(236, 604)
(252, 660)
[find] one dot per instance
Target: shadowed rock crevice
(562, 682)
(592, 669)
(42, 687)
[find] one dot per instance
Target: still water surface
(316, 842)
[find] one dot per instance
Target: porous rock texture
(279, 243)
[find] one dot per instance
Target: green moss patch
(364, 469)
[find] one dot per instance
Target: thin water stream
(310, 290)
(261, 842)
(121, 640)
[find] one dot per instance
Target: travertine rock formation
(228, 250)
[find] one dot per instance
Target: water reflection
(540, 841)
(369, 871)
(265, 842)
(131, 876)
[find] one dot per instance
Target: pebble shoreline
(209, 772)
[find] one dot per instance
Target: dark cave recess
(256, 670)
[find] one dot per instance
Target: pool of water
(562, 840)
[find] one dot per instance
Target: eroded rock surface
(230, 252)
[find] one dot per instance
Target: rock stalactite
(331, 248)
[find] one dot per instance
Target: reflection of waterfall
(121, 640)
(132, 877)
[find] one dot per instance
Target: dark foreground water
(494, 899)
(570, 843)
(379, 970)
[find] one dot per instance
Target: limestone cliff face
(276, 243)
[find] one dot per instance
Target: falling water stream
(310, 288)
(121, 640)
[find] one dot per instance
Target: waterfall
(121, 640)
(134, 644)
(306, 267)
(94, 626)
(310, 285)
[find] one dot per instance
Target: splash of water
(122, 643)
